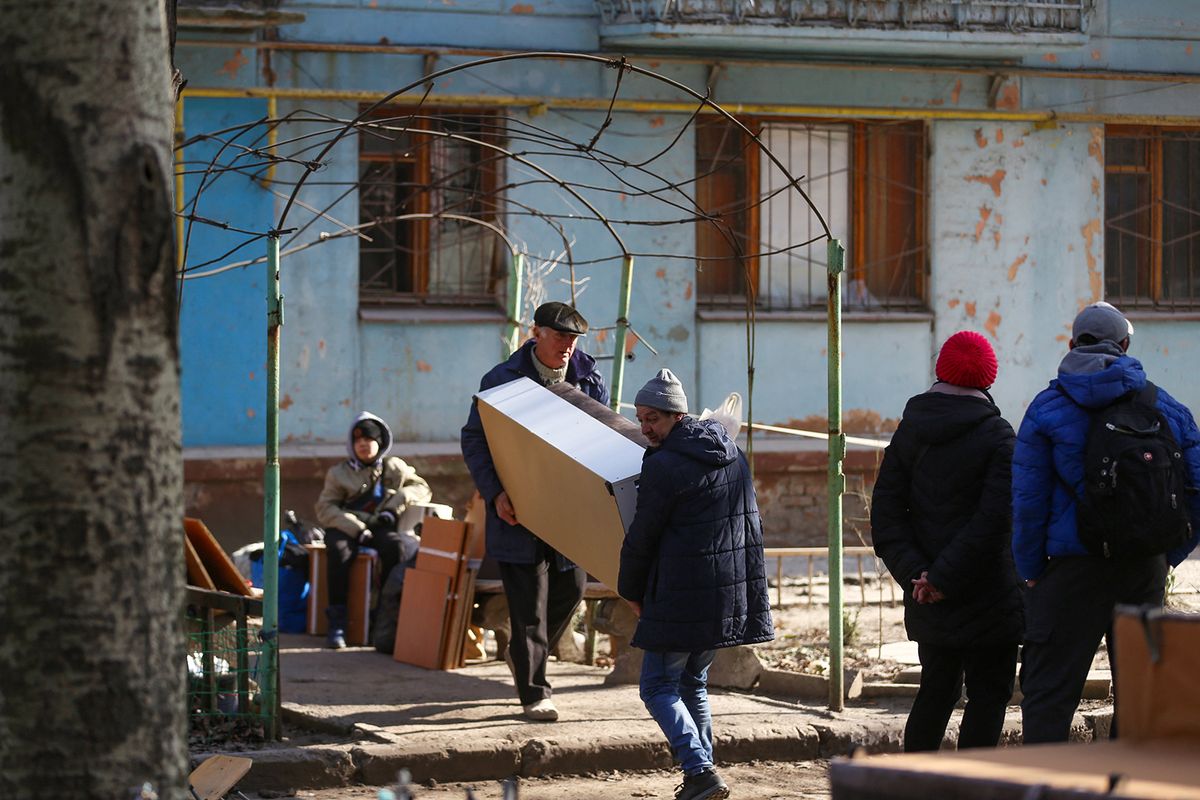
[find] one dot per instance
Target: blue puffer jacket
(1051, 442)
(516, 544)
(693, 556)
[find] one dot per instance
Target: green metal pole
(837, 481)
(622, 332)
(513, 327)
(270, 625)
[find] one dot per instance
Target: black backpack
(1134, 497)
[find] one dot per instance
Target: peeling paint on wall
(423, 366)
(234, 64)
(954, 302)
(1009, 98)
(285, 402)
(687, 291)
(992, 323)
(956, 92)
(999, 135)
(1050, 58)
(993, 181)
(679, 333)
(970, 308)
(522, 8)
(1095, 279)
(984, 213)
(980, 139)
(1016, 265)
(1096, 143)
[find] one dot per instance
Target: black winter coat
(693, 556)
(942, 503)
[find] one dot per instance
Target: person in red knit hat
(941, 522)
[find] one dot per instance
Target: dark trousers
(1066, 613)
(340, 550)
(541, 600)
(989, 673)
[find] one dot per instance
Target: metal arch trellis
(254, 159)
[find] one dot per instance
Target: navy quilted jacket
(1050, 445)
(693, 556)
(515, 543)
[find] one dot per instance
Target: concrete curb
(456, 759)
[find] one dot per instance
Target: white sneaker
(541, 711)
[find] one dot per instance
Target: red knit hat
(967, 359)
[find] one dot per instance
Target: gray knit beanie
(664, 392)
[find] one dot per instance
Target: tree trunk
(92, 669)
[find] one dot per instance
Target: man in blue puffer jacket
(692, 568)
(1072, 594)
(542, 587)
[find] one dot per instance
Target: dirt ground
(806, 780)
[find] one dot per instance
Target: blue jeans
(674, 687)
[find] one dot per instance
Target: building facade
(991, 165)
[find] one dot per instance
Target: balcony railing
(1043, 16)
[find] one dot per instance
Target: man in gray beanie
(1081, 546)
(697, 531)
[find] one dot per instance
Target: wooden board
(422, 619)
(567, 473)
(224, 574)
(197, 575)
(1151, 770)
(216, 775)
(1157, 694)
(358, 595)
(442, 547)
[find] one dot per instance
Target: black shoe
(706, 785)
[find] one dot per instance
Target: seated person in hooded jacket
(360, 506)
(692, 568)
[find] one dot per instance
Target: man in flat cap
(1084, 541)
(541, 585)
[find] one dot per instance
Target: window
(1152, 217)
(868, 180)
(413, 170)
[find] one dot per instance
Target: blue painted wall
(1015, 261)
(223, 318)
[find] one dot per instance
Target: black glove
(383, 522)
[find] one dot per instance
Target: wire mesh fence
(224, 654)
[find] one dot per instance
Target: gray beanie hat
(1103, 322)
(664, 392)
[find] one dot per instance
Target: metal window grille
(868, 181)
(412, 169)
(1152, 218)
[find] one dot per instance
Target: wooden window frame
(492, 169)
(858, 131)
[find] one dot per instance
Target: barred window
(420, 176)
(1152, 217)
(868, 180)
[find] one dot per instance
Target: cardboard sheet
(571, 476)
(1151, 770)
(1158, 654)
(422, 621)
(220, 568)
